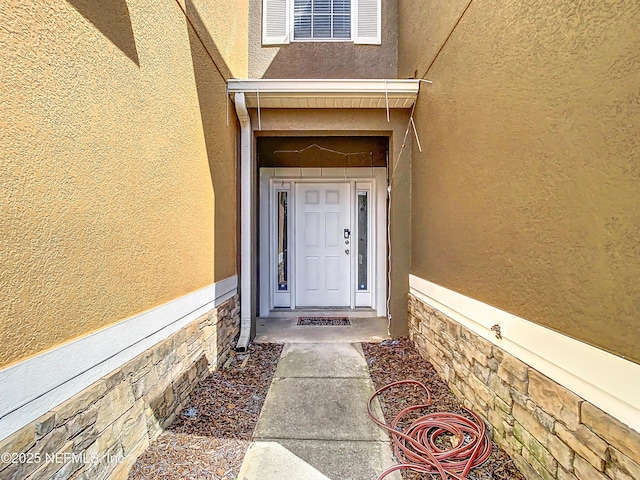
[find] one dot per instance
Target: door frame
(372, 180)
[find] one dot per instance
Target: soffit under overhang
(329, 93)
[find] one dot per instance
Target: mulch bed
(391, 361)
(209, 438)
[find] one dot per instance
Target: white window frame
(364, 297)
(285, 33)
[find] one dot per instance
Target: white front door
(322, 253)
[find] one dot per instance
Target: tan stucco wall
(422, 29)
(324, 59)
(226, 22)
(117, 171)
(362, 122)
(526, 194)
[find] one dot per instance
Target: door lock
(347, 251)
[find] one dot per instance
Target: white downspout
(246, 187)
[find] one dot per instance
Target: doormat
(326, 321)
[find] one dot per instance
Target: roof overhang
(332, 93)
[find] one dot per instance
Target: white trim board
(34, 386)
(609, 382)
(326, 93)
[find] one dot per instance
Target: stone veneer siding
(116, 418)
(548, 431)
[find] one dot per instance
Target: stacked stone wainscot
(549, 432)
(100, 432)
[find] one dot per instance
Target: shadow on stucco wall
(113, 21)
(220, 140)
(333, 60)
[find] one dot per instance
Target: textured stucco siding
(526, 194)
(324, 59)
(117, 171)
(422, 29)
(226, 22)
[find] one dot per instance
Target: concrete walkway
(314, 423)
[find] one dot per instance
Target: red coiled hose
(416, 448)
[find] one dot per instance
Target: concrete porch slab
(285, 330)
(330, 360)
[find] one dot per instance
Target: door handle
(346, 251)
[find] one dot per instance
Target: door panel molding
(322, 258)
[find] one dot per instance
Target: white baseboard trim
(609, 382)
(34, 386)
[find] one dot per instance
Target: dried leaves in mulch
(212, 433)
(391, 361)
(176, 456)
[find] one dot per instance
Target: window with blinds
(321, 20)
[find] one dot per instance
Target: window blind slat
(321, 6)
